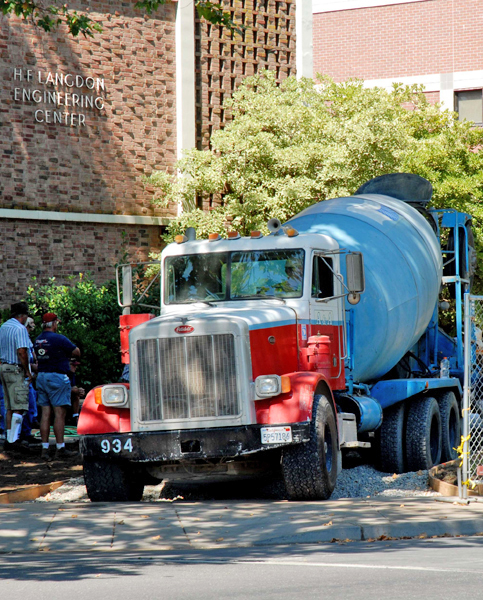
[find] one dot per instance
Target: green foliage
(90, 319)
(297, 143)
(211, 11)
(49, 17)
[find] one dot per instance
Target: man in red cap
(53, 384)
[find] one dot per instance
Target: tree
(291, 145)
(90, 319)
(49, 16)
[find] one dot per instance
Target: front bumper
(185, 444)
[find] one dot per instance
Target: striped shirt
(13, 335)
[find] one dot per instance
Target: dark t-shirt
(53, 352)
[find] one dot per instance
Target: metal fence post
(463, 490)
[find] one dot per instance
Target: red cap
(49, 317)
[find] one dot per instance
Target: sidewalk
(172, 525)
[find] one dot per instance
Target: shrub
(89, 316)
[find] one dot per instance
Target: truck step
(356, 444)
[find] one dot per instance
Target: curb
(30, 493)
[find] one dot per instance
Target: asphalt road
(403, 569)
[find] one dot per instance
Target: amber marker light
(213, 237)
(256, 235)
(233, 235)
(291, 232)
(180, 239)
(286, 384)
(98, 395)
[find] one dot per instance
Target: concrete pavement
(180, 525)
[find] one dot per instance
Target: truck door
(326, 315)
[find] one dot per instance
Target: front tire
(310, 469)
(108, 481)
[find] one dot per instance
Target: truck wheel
(310, 470)
(423, 434)
(108, 481)
(450, 425)
(391, 440)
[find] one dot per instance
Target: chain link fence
(473, 391)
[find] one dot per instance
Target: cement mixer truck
(277, 353)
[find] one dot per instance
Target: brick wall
(92, 163)
(96, 167)
(432, 97)
(223, 59)
(43, 249)
(436, 36)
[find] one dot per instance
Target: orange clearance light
(233, 235)
(291, 232)
(98, 395)
(213, 237)
(286, 384)
(256, 235)
(180, 239)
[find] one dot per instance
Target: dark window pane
(469, 106)
(322, 278)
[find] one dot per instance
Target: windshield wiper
(261, 297)
(196, 301)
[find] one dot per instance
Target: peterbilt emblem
(184, 329)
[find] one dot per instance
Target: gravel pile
(364, 481)
(359, 482)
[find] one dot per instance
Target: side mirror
(126, 284)
(355, 280)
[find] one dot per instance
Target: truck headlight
(113, 395)
(268, 385)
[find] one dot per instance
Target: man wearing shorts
(53, 352)
(15, 369)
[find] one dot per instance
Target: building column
(185, 80)
(304, 50)
(446, 90)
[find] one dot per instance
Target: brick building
(436, 43)
(82, 120)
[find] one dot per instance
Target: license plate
(276, 435)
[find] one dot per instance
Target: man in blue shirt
(53, 352)
(15, 368)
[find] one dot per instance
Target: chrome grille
(187, 377)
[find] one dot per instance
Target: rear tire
(423, 434)
(450, 426)
(108, 481)
(310, 470)
(391, 440)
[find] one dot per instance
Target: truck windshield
(233, 276)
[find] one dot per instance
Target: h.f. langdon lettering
(58, 91)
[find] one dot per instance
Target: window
(195, 278)
(469, 106)
(254, 274)
(322, 278)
